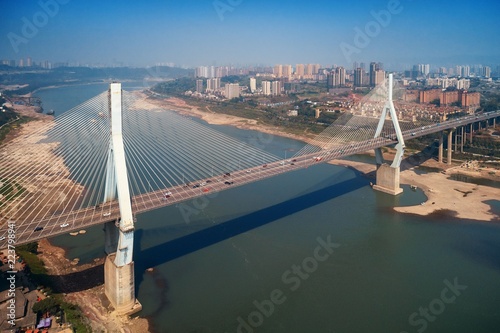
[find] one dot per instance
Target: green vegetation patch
(9, 190)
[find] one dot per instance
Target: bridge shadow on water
(198, 240)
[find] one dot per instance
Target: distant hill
(37, 78)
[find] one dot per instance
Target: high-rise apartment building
(358, 77)
(316, 68)
(340, 71)
(465, 71)
(278, 71)
(266, 88)
(232, 90)
(287, 71)
(379, 76)
(199, 86)
(299, 71)
(373, 70)
(309, 70)
(463, 84)
(276, 88)
(487, 71)
(213, 84)
(253, 84)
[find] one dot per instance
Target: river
(316, 250)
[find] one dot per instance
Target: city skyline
(222, 32)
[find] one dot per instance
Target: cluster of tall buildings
(336, 78)
(213, 84)
(271, 88)
(209, 72)
(460, 96)
(423, 70)
(302, 71)
(28, 62)
(373, 77)
(445, 82)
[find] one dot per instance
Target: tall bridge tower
(119, 283)
(387, 178)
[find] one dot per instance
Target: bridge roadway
(86, 217)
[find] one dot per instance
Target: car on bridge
(64, 225)
(38, 228)
(167, 194)
(106, 214)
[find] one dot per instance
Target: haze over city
(251, 32)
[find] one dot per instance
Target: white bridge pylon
(400, 146)
(117, 184)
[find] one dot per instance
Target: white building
(266, 88)
(276, 88)
(253, 84)
(232, 90)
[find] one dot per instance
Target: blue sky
(240, 32)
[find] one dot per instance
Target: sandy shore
(444, 196)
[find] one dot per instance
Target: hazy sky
(224, 32)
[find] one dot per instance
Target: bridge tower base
(120, 287)
(388, 180)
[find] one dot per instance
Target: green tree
(48, 304)
(30, 247)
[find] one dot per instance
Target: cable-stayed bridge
(64, 176)
(83, 217)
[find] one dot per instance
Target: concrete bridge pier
(388, 179)
(462, 141)
(440, 151)
(119, 286)
(450, 147)
(471, 131)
